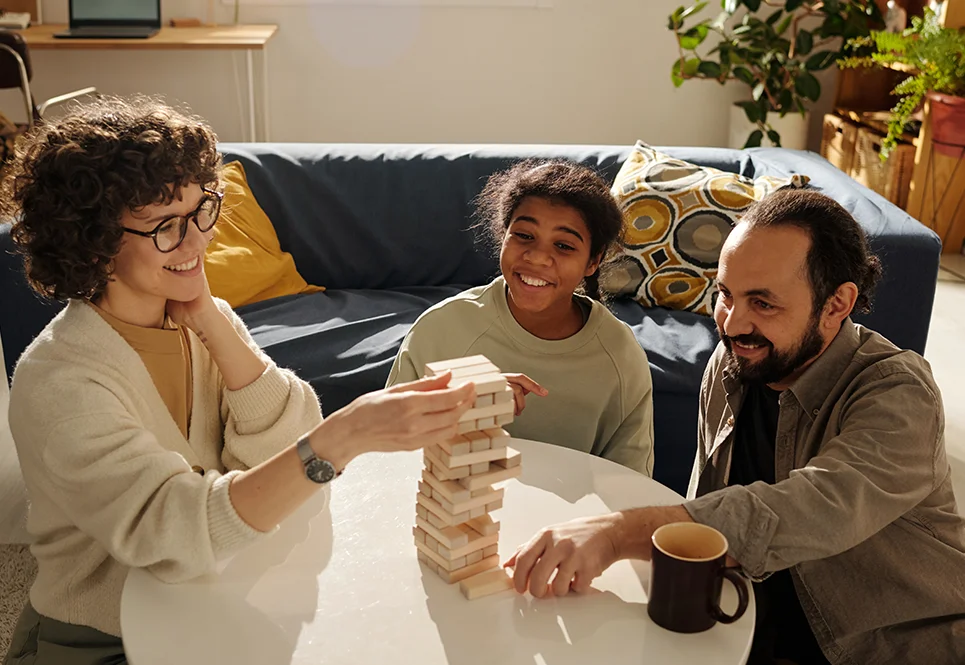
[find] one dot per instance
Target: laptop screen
(115, 11)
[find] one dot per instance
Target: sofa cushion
(244, 262)
(677, 215)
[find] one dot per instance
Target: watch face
(320, 471)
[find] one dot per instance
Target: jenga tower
(455, 535)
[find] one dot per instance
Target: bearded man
(821, 458)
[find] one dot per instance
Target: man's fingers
(581, 582)
(527, 384)
(564, 577)
(526, 558)
(539, 577)
(519, 400)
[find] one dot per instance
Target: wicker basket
(892, 178)
(837, 141)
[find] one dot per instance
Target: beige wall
(583, 71)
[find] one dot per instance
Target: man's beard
(777, 365)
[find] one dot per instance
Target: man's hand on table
(579, 551)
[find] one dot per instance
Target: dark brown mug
(686, 577)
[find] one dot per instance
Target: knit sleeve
(267, 415)
(632, 443)
(112, 479)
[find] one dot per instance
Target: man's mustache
(746, 340)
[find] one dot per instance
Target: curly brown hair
(73, 179)
(563, 182)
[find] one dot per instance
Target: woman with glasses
(151, 430)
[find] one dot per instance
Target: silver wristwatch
(318, 470)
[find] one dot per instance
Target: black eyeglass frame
(191, 216)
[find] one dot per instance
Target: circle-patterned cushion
(676, 217)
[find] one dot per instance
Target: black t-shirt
(782, 630)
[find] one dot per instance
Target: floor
(946, 353)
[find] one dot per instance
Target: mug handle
(740, 584)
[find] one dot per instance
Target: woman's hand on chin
(194, 314)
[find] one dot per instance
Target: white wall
(583, 71)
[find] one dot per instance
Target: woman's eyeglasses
(170, 233)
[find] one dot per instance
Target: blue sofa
(387, 229)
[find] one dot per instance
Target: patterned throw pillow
(676, 217)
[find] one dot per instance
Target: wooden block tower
(455, 534)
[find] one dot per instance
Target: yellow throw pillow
(676, 217)
(244, 262)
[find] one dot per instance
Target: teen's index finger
(527, 383)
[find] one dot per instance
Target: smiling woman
(151, 430)
(543, 321)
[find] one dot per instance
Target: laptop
(113, 19)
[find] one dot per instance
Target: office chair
(16, 72)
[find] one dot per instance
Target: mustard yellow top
(166, 354)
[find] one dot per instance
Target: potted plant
(773, 53)
(935, 58)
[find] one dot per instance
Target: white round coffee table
(339, 583)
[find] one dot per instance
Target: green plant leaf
(751, 110)
(675, 20)
(784, 25)
(690, 11)
(821, 60)
(791, 5)
(804, 42)
(772, 19)
(744, 74)
(753, 5)
(679, 74)
(785, 101)
(831, 6)
(758, 91)
(754, 140)
(774, 137)
(729, 6)
(807, 86)
(709, 68)
(694, 37)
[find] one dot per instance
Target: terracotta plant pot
(948, 124)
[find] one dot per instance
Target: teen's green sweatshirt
(600, 390)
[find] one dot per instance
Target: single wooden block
(496, 475)
(466, 427)
(495, 505)
(473, 557)
(481, 501)
(441, 513)
(440, 366)
(484, 400)
(450, 489)
(486, 584)
(431, 543)
(483, 369)
(498, 437)
(485, 384)
(482, 467)
(451, 577)
(419, 534)
(456, 564)
(503, 396)
(424, 559)
(484, 524)
(492, 550)
(485, 423)
(478, 441)
(513, 458)
(504, 419)
(452, 537)
(436, 521)
(421, 512)
(436, 558)
(486, 412)
(479, 492)
(477, 512)
(425, 488)
(477, 542)
(440, 469)
(458, 445)
(456, 461)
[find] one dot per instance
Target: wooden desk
(247, 38)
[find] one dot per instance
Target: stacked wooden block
(455, 534)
